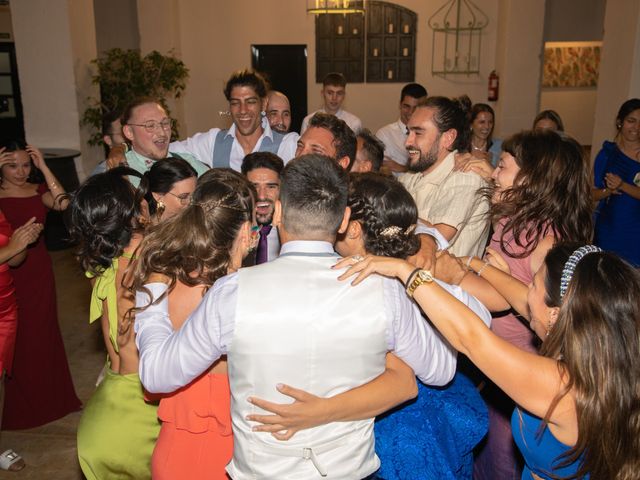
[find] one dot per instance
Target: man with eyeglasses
(246, 92)
(147, 127)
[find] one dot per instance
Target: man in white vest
(291, 321)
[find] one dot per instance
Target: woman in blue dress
(617, 187)
(578, 413)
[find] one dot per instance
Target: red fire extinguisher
(494, 85)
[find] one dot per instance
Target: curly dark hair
(551, 194)
(344, 139)
(379, 202)
(104, 215)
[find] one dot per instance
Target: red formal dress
(8, 308)
(40, 388)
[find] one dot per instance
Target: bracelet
(482, 268)
(468, 263)
(410, 277)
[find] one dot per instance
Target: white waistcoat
(297, 324)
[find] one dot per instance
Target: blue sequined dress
(434, 435)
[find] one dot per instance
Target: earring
(548, 328)
(160, 207)
(618, 126)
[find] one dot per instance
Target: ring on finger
(357, 258)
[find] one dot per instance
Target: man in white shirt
(246, 92)
(395, 134)
(318, 334)
(334, 91)
(263, 170)
(448, 200)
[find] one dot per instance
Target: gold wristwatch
(421, 276)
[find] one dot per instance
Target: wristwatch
(422, 276)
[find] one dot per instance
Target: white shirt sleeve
(422, 229)
(200, 145)
(305, 123)
(415, 341)
(171, 359)
(288, 147)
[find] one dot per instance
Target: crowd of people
(422, 302)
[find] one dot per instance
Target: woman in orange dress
(196, 438)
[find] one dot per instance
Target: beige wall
(519, 56)
(577, 108)
(619, 77)
(55, 40)
(212, 46)
(116, 24)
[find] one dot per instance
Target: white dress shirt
(350, 119)
(394, 137)
(170, 360)
(202, 145)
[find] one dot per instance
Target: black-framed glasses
(151, 125)
(183, 198)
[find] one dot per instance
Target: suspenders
(224, 143)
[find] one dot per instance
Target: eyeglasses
(151, 125)
(183, 198)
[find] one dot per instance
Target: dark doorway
(286, 69)
(11, 119)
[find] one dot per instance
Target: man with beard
(263, 170)
(447, 199)
(394, 135)
(147, 127)
(246, 92)
(278, 111)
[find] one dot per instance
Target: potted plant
(123, 75)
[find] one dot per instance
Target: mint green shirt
(141, 164)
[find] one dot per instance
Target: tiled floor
(50, 451)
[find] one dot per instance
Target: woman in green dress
(119, 426)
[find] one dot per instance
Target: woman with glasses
(167, 187)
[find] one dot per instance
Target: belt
(306, 453)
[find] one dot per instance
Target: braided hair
(387, 213)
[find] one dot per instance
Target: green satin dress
(118, 428)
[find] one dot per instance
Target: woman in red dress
(40, 388)
(13, 247)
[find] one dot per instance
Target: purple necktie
(262, 254)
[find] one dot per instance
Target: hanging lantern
(336, 6)
(457, 32)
